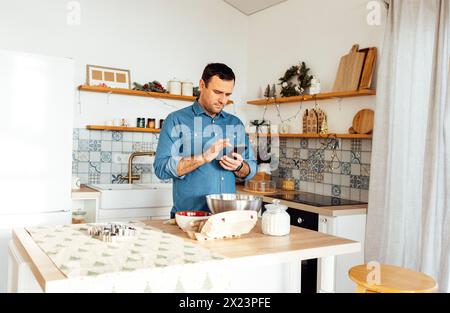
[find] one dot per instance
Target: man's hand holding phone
(233, 161)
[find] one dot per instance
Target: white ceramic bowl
(184, 218)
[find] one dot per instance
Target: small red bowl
(193, 213)
(185, 218)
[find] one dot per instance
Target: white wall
(317, 32)
(158, 40)
(155, 39)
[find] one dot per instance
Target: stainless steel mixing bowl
(231, 202)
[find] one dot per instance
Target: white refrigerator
(36, 119)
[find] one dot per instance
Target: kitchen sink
(101, 187)
(129, 196)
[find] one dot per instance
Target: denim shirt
(188, 132)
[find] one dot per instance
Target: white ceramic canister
(175, 87)
(315, 86)
(187, 88)
(275, 220)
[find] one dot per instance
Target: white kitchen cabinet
(88, 205)
(86, 199)
(346, 221)
(352, 227)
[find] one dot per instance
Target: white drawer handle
(324, 220)
(299, 220)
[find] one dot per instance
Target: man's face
(216, 95)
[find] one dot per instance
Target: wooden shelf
(321, 96)
(151, 130)
(345, 136)
(123, 129)
(138, 93)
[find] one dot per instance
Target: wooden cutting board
(368, 68)
(350, 69)
(363, 121)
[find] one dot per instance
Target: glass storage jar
(275, 220)
(288, 184)
(262, 186)
(151, 123)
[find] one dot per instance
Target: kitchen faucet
(130, 177)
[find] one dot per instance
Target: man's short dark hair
(217, 69)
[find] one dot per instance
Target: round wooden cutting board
(363, 121)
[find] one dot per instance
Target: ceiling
(249, 7)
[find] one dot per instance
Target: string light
(277, 105)
(330, 142)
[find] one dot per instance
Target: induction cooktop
(315, 199)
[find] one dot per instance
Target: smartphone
(240, 149)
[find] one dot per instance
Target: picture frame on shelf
(107, 77)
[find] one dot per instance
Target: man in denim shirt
(202, 148)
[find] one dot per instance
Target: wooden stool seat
(393, 279)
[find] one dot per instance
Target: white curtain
(409, 200)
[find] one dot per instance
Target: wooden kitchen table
(252, 251)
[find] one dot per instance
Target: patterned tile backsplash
(331, 167)
(95, 155)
